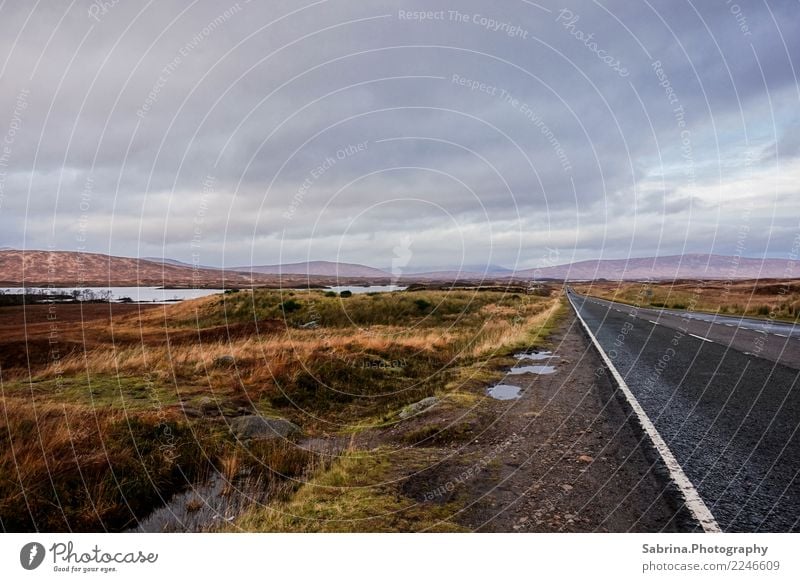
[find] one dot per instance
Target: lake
(137, 294)
(159, 295)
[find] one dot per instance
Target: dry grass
(767, 299)
(82, 439)
(69, 468)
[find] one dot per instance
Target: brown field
(107, 411)
(765, 298)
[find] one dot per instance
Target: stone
(418, 407)
(191, 412)
(208, 406)
(255, 427)
(586, 459)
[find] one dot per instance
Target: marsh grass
(99, 439)
(779, 300)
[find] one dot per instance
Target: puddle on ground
(535, 357)
(504, 392)
(541, 370)
(206, 507)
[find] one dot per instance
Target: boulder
(254, 427)
(208, 406)
(417, 407)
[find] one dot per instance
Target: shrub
(422, 304)
(290, 306)
(330, 293)
(346, 293)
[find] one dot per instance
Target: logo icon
(31, 555)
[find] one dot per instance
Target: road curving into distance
(724, 394)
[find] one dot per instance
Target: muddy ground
(565, 456)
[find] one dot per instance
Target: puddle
(206, 507)
(504, 392)
(536, 356)
(541, 370)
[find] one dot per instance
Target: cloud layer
(463, 132)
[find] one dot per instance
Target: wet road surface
(732, 419)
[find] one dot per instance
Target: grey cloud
(148, 103)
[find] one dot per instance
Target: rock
(259, 428)
(586, 459)
(418, 407)
(224, 361)
(208, 406)
(191, 412)
(566, 487)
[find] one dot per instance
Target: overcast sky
(512, 133)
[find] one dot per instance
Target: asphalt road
(775, 341)
(731, 419)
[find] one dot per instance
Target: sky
(400, 134)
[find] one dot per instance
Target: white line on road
(694, 503)
(653, 322)
(781, 335)
(705, 339)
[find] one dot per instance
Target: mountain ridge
(71, 267)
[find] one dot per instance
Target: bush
(422, 304)
(290, 306)
(330, 293)
(346, 293)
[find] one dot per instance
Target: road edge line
(691, 498)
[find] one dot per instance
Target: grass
(776, 300)
(96, 439)
(66, 468)
(357, 494)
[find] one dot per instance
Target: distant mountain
(690, 266)
(460, 272)
(177, 263)
(317, 268)
(66, 268)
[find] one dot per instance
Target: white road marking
(705, 339)
(781, 335)
(728, 324)
(694, 503)
(653, 322)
